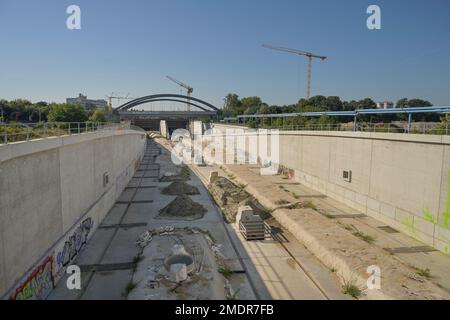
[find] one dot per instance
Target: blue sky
(215, 46)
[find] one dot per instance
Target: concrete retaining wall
(53, 195)
(402, 180)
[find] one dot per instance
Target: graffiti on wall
(39, 283)
(73, 245)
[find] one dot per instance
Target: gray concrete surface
(400, 179)
(52, 190)
(336, 233)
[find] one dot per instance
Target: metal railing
(16, 132)
(425, 128)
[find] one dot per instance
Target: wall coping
(403, 137)
(23, 148)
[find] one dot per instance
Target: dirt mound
(230, 197)
(177, 188)
(183, 175)
(182, 208)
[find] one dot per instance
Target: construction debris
(180, 263)
(144, 239)
(230, 197)
(182, 208)
(251, 226)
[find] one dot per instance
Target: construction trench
(176, 232)
(167, 237)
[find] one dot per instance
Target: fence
(425, 128)
(16, 132)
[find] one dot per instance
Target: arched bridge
(149, 119)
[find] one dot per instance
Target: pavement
(348, 241)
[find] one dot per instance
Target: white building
(385, 105)
(85, 102)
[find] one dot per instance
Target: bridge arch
(195, 102)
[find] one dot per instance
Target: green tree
(66, 113)
(333, 103)
(413, 103)
(263, 109)
(98, 116)
(402, 103)
(416, 103)
(231, 104)
(366, 103)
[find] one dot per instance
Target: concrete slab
(61, 292)
(93, 251)
(147, 193)
(123, 246)
(145, 182)
(115, 214)
(108, 285)
(127, 195)
(140, 212)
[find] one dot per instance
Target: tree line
(234, 106)
(21, 110)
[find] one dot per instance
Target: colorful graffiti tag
(73, 245)
(38, 285)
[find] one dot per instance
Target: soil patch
(182, 208)
(177, 188)
(183, 175)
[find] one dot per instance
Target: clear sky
(215, 46)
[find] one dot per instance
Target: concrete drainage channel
(105, 269)
(163, 239)
(166, 239)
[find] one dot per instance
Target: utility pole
(308, 55)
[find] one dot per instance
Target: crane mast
(308, 55)
(188, 88)
(118, 97)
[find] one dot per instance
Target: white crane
(113, 95)
(309, 55)
(188, 88)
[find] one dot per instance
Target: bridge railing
(15, 132)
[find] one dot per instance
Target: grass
(329, 216)
(268, 210)
(130, 287)
(234, 296)
(296, 196)
(281, 202)
(351, 289)
(296, 205)
(242, 186)
(138, 258)
(357, 233)
(226, 271)
(423, 272)
(309, 204)
(348, 227)
(364, 237)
